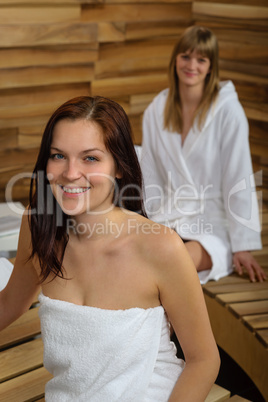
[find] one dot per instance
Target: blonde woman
(196, 162)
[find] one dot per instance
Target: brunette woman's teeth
(75, 190)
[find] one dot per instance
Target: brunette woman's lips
(72, 191)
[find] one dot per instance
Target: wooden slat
(242, 296)
(138, 103)
(230, 279)
(8, 138)
(18, 156)
(249, 87)
(235, 288)
(21, 359)
(247, 308)
(136, 50)
(36, 76)
(34, 34)
(53, 2)
(111, 32)
(7, 174)
(40, 100)
(237, 398)
(225, 34)
(25, 327)
(129, 85)
(136, 125)
(255, 322)
(217, 394)
(41, 119)
(125, 66)
(230, 11)
(242, 2)
(136, 12)
(262, 335)
(238, 52)
(147, 1)
(47, 56)
(27, 387)
(247, 68)
(40, 14)
(256, 111)
(235, 338)
(145, 30)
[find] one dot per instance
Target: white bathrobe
(204, 189)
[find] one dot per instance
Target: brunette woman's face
(192, 68)
(80, 169)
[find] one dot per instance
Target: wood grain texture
(21, 35)
(13, 362)
(136, 12)
(26, 387)
(121, 49)
(26, 14)
(25, 327)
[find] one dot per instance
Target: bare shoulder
(157, 242)
(166, 254)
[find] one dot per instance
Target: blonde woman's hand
(245, 260)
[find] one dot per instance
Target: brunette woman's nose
(71, 171)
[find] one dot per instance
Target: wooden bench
(238, 311)
(22, 375)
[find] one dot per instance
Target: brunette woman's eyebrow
(56, 149)
(92, 150)
(82, 152)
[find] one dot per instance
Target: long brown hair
(205, 43)
(48, 222)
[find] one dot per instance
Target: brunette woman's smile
(73, 192)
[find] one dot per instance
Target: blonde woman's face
(192, 68)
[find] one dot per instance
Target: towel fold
(98, 355)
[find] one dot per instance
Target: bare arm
(182, 297)
(23, 285)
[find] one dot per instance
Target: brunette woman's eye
(185, 56)
(56, 156)
(91, 159)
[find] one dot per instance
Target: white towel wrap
(98, 355)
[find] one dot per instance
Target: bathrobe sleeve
(154, 177)
(238, 184)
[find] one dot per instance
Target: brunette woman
(110, 280)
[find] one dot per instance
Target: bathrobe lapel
(176, 153)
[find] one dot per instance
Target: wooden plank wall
(52, 50)
(242, 30)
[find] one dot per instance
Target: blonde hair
(205, 43)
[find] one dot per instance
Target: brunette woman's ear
(118, 175)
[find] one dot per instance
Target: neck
(96, 226)
(190, 96)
